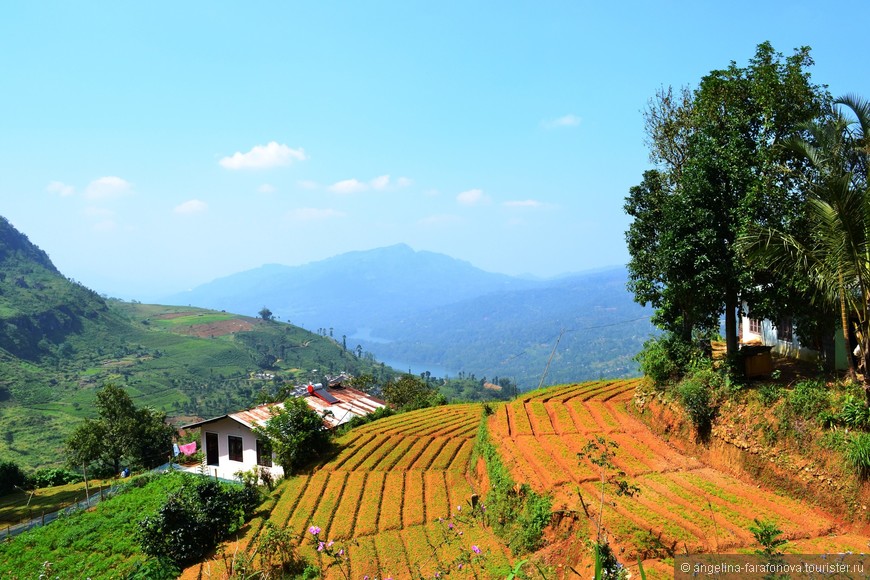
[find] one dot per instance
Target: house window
(755, 326)
(785, 330)
(235, 447)
(264, 453)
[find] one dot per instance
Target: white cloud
(403, 182)
(190, 207)
(348, 186)
(523, 203)
(564, 121)
(266, 188)
(107, 188)
(61, 188)
(309, 214)
(380, 182)
(472, 197)
(273, 154)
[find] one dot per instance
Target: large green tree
(721, 167)
(296, 433)
(121, 432)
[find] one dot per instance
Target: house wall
(226, 467)
(769, 337)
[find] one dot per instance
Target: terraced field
(682, 503)
(382, 497)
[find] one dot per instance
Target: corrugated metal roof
(351, 403)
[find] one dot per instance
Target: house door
(211, 449)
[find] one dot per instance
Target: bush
(10, 476)
(858, 454)
(808, 399)
(698, 393)
(194, 518)
(664, 359)
(49, 477)
(855, 413)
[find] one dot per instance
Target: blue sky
(151, 147)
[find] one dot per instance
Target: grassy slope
(99, 543)
(157, 360)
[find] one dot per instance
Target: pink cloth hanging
(188, 449)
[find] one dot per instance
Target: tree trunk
(731, 325)
(865, 360)
(844, 321)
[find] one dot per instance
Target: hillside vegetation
(60, 341)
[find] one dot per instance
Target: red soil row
(681, 504)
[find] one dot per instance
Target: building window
(755, 326)
(785, 330)
(264, 453)
(235, 447)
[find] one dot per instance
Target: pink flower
(459, 508)
(329, 545)
(341, 552)
(460, 566)
(320, 546)
(475, 549)
(314, 530)
(450, 525)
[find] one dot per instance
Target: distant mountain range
(429, 311)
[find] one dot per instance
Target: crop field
(682, 504)
(387, 498)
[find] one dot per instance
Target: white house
(783, 338)
(230, 445)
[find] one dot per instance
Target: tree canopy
(121, 432)
(721, 166)
(296, 433)
(833, 250)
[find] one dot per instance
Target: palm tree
(833, 250)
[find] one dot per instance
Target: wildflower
(341, 552)
(460, 566)
(450, 525)
(459, 508)
(320, 546)
(329, 545)
(475, 549)
(314, 530)
(459, 532)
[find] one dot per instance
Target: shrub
(808, 399)
(767, 534)
(48, 477)
(858, 454)
(698, 393)
(657, 362)
(769, 393)
(10, 476)
(194, 518)
(855, 413)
